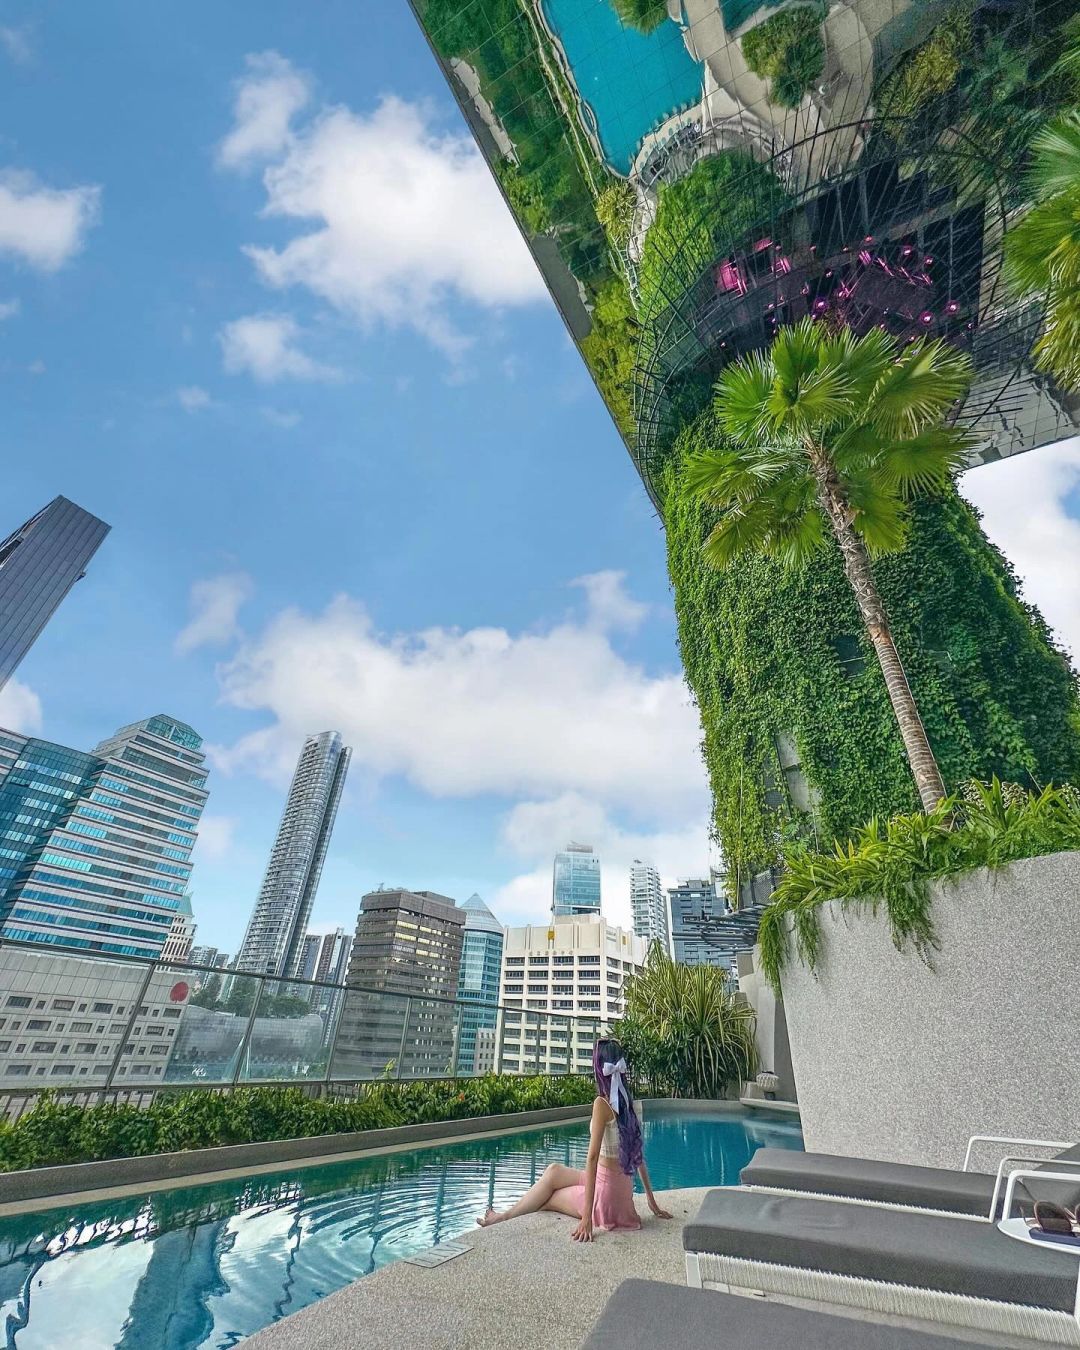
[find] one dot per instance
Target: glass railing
(84, 1023)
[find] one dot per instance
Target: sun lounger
(947, 1269)
(933, 1188)
(644, 1314)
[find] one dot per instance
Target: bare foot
(489, 1218)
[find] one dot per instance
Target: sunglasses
(1057, 1219)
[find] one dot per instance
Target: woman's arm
(643, 1173)
(601, 1114)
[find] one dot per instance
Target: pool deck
(521, 1285)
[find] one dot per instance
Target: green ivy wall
(770, 654)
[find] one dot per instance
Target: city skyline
(507, 671)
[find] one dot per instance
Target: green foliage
(615, 207)
(609, 349)
(56, 1132)
(930, 71)
(893, 864)
(1043, 250)
(524, 197)
(772, 653)
(787, 49)
(700, 219)
(644, 15)
(685, 1031)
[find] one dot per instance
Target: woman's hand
(660, 1213)
(583, 1232)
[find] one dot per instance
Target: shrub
(615, 208)
(610, 349)
(931, 70)
(644, 15)
(787, 49)
(525, 197)
(686, 1032)
(55, 1132)
(893, 864)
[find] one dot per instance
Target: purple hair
(607, 1051)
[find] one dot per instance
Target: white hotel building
(573, 968)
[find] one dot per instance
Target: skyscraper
(408, 943)
(39, 564)
(481, 962)
(309, 957)
(694, 903)
(575, 882)
(95, 849)
(648, 905)
(273, 943)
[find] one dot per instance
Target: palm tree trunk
(872, 608)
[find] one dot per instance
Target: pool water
(632, 81)
(205, 1266)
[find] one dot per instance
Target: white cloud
(1024, 501)
(459, 713)
(215, 606)
(215, 839)
(609, 605)
(44, 226)
(16, 43)
(192, 398)
(37, 367)
(20, 708)
(8, 309)
(264, 345)
(267, 99)
(395, 219)
(284, 420)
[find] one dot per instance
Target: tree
(209, 994)
(1043, 251)
(831, 433)
(644, 15)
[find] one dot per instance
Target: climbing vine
(798, 736)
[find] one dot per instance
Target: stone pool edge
(43, 1187)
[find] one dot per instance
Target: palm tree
(1043, 251)
(829, 432)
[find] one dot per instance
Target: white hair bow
(615, 1073)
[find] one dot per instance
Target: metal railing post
(333, 1043)
(500, 1031)
(457, 1039)
(245, 1040)
(536, 1058)
(127, 1032)
(404, 1034)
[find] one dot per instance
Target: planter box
(896, 1061)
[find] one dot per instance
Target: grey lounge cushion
(867, 1179)
(929, 1251)
(1060, 1191)
(644, 1314)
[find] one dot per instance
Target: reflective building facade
(274, 941)
(694, 904)
(575, 882)
(39, 564)
(481, 963)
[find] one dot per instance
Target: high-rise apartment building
(648, 904)
(95, 849)
(209, 956)
(39, 564)
(574, 968)
(695, 903)
(478, 983)
(333, 967)
(575, 882)
(273, 943)
(309, 957)
(178, 944)
(406, 962)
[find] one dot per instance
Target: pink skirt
(613, 1201)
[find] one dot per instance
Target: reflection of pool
(631, 81)
(204, 1266)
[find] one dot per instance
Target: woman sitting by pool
(603, 1195)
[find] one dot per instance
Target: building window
(18, 1001)
(18, 1070)
(63, 1004)
(63, 1070)
(81, 1026)
(850, 654)
(102, 1008)
(43, 1047)
(38, 1024)
(86, 1047)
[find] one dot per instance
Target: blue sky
(264, 312)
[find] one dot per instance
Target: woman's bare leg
(555, 1177)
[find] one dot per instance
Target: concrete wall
(770, 1028)
(894, 1060)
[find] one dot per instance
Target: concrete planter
(898, 1061)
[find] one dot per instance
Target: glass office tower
(95, 849)
(274, 941)
(575, 882)
(39, 564)
(481, 962)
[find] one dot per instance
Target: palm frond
(730, 476)
(1043, 249)
(919, 388)
(1056, 166)
(822, 398)
(796, 539)
(923, 463)
(740, 397)
(879, 516)
(863, 360)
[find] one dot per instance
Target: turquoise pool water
(206, 1266)
(632, 81)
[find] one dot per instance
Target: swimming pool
(632, 81)
(204, 1266)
